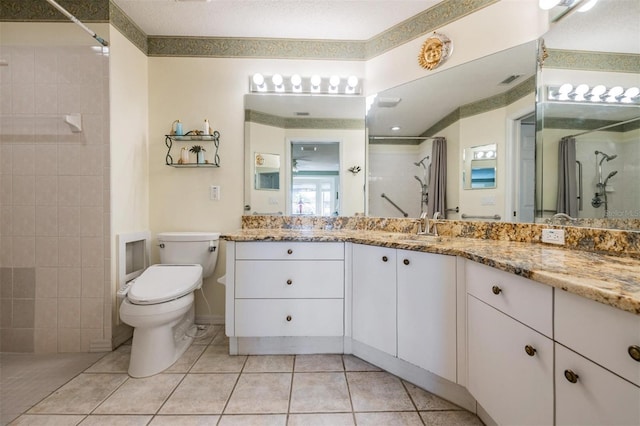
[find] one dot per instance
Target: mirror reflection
(588, 141)
(267, 174)
(318, 138)
(479, 167)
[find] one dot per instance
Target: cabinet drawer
(525, 300)
(269, 250)
(599, 332)
(289, 317)
(280, 279)
(598, 397)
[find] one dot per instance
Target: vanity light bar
(315, 84)
(598, 94)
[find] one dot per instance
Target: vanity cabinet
(404, 304)
(510, 352)
(597, 363)
(285, 289)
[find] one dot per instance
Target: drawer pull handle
(406, 261)
(288, 317)
(289, 282)
(634, 352)
(289, 251)
(530, 350)
(496, 290)
(571, 376)
(385, 258)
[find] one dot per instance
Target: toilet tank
(190, 247)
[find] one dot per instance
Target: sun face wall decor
(434, 51)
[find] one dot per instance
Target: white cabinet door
(427, 311)
(512, 386)
(598, 397)
(374, 297)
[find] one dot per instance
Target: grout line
(353, 411)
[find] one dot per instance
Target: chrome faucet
(428, 224)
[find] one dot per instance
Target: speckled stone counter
(609, 279)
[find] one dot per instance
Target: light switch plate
(214, 193)
(553, 236)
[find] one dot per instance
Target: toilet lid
(160, 283)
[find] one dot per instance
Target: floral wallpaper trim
(592, 61)
(128, 28)
(41, 11)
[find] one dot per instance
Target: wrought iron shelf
(170, 139)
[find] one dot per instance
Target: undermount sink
(424, 238)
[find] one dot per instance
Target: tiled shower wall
(54, 200)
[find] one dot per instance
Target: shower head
(612, 174)
(421, 162)
(605, 156)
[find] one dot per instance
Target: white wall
(192, 89)
(129, 118)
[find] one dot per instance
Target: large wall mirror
(595, 177)
(470, 105)
(317, 140)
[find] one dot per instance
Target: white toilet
(159, 303)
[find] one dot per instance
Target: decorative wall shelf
(214, 138)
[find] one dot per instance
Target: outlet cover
(553, 236)
(214, 192)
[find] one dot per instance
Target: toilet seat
(160, 283)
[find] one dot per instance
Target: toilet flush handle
(212, 246)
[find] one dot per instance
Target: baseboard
(102, 345)
(210, 319)
(428, 381)
(121, 333)
(287, 345)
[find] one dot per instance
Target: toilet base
(153, 350)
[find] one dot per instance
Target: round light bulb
(258, 79)
(352, 81)
(548, 4)
(598, 91)
(565, 88)
(277, 80)
(582, 89)
(631, 92)
(587, 6)
(615, 91)
(315, 80)
(296, 80)
(334, 80)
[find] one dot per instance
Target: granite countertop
(607, 279)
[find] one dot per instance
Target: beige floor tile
(406, 418)
(322, 362)
(47, 420)
(212, 361)
(200, 394)
(221, 339)
(321, 419)
(269, 364)
(352, 363)
(319, 393)
(184, 420)
(81, 395)
(98, 420)
(426, 401)
(114, 362)
(378, 391)
(450, 418)
(186, 361)
(140, 396)
(208, 336)
(253, 420)
(260, 393)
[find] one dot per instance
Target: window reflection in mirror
(479, 167)
(315, 178)
(267, 176)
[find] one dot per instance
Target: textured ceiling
(298, 19)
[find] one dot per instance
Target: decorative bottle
(206, 129)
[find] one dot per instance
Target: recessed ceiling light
(395, 128)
